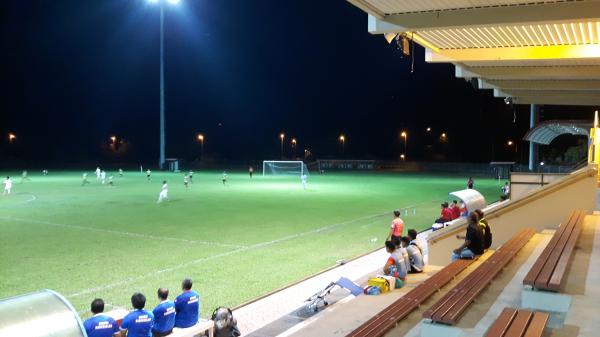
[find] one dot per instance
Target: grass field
(237, 242)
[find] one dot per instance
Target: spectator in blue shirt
(187, 306)
(137, 323)
(164, 314)
(100, 325)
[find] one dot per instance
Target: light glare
(173, 2)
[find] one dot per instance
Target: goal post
(283, 167)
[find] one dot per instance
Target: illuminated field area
(237, 241)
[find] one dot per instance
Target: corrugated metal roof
(565, 34)
(545, 132)
(411, 6)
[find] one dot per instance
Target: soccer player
(250, 171)
(396, 228)
(103, 177)
(470, 183)
(164, 314)
(24, 176)
(164, 192)
(224, 178)
(100, 325)
(187, 306)
(191, 176)
(98, 172)
(7, 185)
(186, 181)
(84, 179)
(505, 191)
(121, 173)
(44, 172)
(303, 178)
(110, 181)
(139, 322)
(149, 175)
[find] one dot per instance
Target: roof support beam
(591, 100)
(529, 73)
(514, 54)
(486, 16)
(366, 7)
(564, 85)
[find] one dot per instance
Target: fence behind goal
(280, 167)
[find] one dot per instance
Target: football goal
(279, 167)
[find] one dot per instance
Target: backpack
(487, 233)
(225, 323)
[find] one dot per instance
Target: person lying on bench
(473, 244)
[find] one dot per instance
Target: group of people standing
(181, 313)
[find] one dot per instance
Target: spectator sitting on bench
(394, 266)
(137, 323)
(187, 306)
(446, 214)
(100, 325)
(473, 244)
(485, 227)
(164, 315)
(403, 252)
(455, 210)
(415, 257)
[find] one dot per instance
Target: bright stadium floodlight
(509, 143)
(428, 129)
(11, 137)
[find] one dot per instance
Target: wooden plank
(543, 278)
(460, 307)
(537, 267)
(559, 271)
(519, 324)
(537, 324)
(502, 323)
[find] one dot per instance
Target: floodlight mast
(161, 160)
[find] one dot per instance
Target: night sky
(240, 72)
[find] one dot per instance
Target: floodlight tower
(161, 3)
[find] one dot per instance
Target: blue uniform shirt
(138, 323)
(164, 317)
(187, 306)
(100, 326)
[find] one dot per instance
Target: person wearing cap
(396, 228)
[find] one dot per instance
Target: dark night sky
(75, 72)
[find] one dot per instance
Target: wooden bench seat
(452, 305)
(549, 269)
(518, 323)
(390, 316)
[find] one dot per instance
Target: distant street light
(282, 136)
(294, 146)
(443, 137)
(509, 143)
(405, 135)
(113, 139)
(428, 129)
(402, 156)
(343, 141)
(201, 140)
(11, 137)
(161, 160)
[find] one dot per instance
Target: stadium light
(161, 160)
(510, 143)
(11, 137)
(343, 141)
(402, 156)
(404, 135)
(113, 139)
(294, 146)
(428, 129)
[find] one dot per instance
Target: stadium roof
(544, 52)
(546, 132)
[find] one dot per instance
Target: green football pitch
(236, 242)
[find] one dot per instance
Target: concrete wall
(541, 209)
(523, 183)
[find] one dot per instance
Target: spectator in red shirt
(455, 210)
(446, 214)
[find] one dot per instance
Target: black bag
(487, 233)
(225, 323)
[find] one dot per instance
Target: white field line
(110, 231)
(32, 198)
(216, 256)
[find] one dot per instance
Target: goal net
(277, 167)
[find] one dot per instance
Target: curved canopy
(471, 198)
(545, 132)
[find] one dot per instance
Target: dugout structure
(283, 167)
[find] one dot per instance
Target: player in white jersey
(148, 175)
(98, 172)
(164, 192)
(304, 179)
(7, 185)
(186, 181)
(103, 177)
(120, 173)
